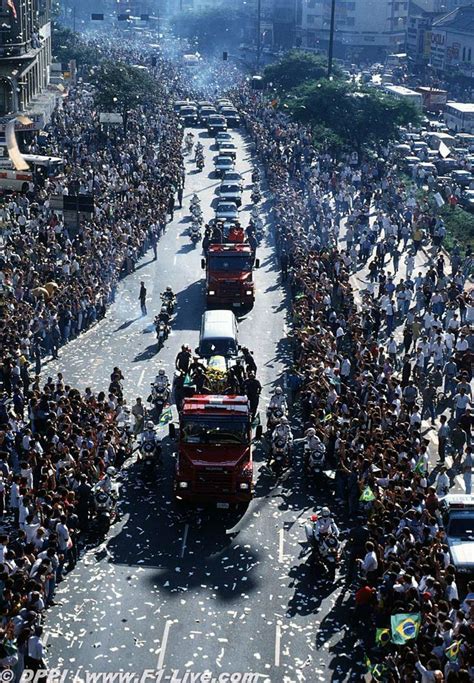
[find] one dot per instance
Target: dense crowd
(56, 444)
(367, 372)
(58, 279)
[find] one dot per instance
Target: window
(350, 6)
(350, 21)
(469, 55)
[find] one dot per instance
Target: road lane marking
(164, 642)
(140, 379)
(281, 554)
(185, 538)
(277, 644)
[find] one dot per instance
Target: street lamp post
(259, 31)
(331, 36)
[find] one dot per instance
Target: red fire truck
(229, 280)
(214, 462)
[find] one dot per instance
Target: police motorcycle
(314, 453)
(255, 175)
(162, 326)
(104, 501)
(280, 447)
(256, 195)
(150, 451)
(169, 299)
(277, 408)
(195, 208)
(189, 142)
(322, 536)
(195, 233)
(160, 392)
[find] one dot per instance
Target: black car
(216, 124)
(189, 115)
(232, 116)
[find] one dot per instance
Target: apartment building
(363, 28)
(25, 58)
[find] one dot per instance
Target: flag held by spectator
(452, 652)
(367, 495)
(405, 627)
(166, 416)
(382, 636)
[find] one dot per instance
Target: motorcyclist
(311, 441)
(105, 484)
(189, 141)
(199, 149)
(148, 435)
(278, 401)
(163, 316)
(282, 431)
(168, 295)
(324, 524)
(161, 382)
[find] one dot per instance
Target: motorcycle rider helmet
(278, 391)
(111, 471)
(284, 420)
(326, 512)
(168, 289)
(150, 425)
(161, 372)
(314, 518)
(311, 432)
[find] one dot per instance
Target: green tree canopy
(295, 68)
(120, 87)
(67, 45)
(356, 118)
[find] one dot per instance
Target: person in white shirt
(35, 657)
(370, 563)
(442, 483)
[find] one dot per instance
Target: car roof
(454, 500)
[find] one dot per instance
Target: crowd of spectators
(369, 367)
(57, 279)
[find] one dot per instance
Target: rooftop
(463, 107)
(461, 19)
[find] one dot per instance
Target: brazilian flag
(382, 636)
(452, 652)
(367, 495)
(405, 627)
(377, 671)
(420, 466)
(166, 416)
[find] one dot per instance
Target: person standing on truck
(250, 363)
(183, 359)
(253, 389)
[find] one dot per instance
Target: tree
(357, 118)
(295, 68)
(212, 29)
(67, 45)
(119, 87)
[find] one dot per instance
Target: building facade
(363, 28)
(25, 57)
(452, 41)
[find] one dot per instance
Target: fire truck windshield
(235, 264)
(215, 431)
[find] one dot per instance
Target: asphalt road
(197, 591)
